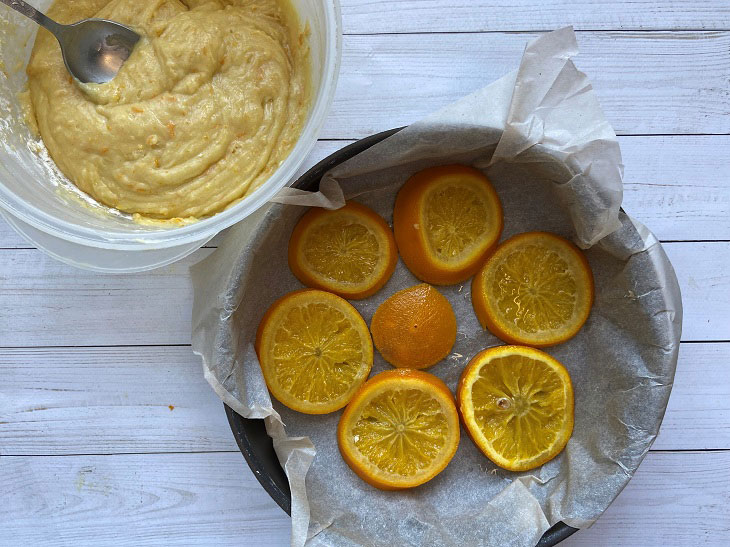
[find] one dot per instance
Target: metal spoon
(93, 49)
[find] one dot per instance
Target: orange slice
(349, 251)
(414, 328)
(400, 430)
(517, 405)
(315, 351)
(536, 289)
(446, 221)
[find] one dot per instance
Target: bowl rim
(160, 238)
(250, 434)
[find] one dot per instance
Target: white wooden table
(109, 435)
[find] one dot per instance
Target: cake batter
(208, 105)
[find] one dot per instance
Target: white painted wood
(368, 16)
(675, 499)
(677, 185)
(111, 400)
(647, 82)
(46, 303)
(703, 270)
(108, 400)
(9, 239)
(63, 401)
(212, 499)
(698, 413)
(136, 500)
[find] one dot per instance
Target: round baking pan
(256, 446)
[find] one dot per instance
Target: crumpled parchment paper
(541, 137)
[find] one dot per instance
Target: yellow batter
(211, 101)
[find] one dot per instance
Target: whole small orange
(414, 328)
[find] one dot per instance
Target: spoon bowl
(93, 49)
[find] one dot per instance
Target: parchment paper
(541, 137)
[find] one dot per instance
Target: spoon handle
(32, 13)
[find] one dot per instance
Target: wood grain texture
(677, 185)
(46, 303)
(108, 400)
(212, 499)
(703, 270)
(64, 401)
(647, 82)
(135, 500)
(698, 413)
(368, 16)
(674, 499)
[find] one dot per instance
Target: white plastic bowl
(46, 209)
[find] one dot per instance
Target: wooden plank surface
(108, 400)
(65, 401)
(676, 185)
(46, 303)
(381, 16)
(679, 186)
(174, 477)
(698, 413)
(674, 499)
(647, 82)
(703, 270)
(211, 499)
(135, 500)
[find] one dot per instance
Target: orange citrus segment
(517, 405)
(349, 251)
(414, 328)
(400, 430)
(535, 289)
(315, 351)
(446, 221)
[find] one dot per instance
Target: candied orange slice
(400, 430)
(315, 351)
(446, 221)
(348, 251)
(517, 405)
(535, 289)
